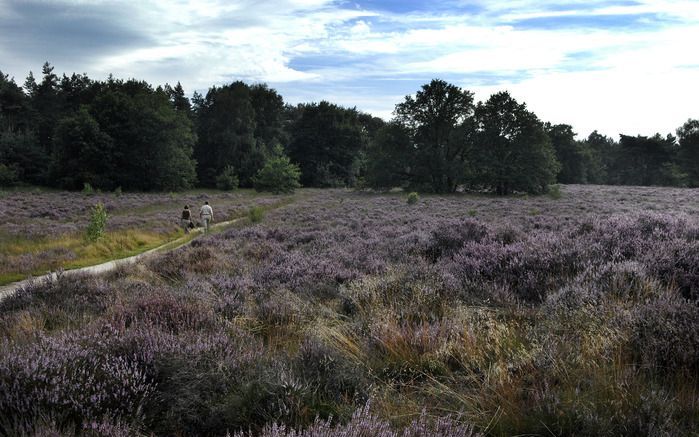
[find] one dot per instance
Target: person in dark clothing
(186, 220)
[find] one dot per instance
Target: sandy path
(9, 289)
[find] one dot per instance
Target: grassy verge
(23, 257)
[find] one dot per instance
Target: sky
(615, 66)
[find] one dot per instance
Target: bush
(666, 335)
(66, 377)
(554, 191)
(117, 191)
(228, 179)
(98, 221)
(450, 236)
(8, 176)
(278, 175)
(413, 198)
(366, 423)
(87, 188)
(256, 214)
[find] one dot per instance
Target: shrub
(278, 175)
(8, 176)
(256, 214)
(98, 221)
(117, 191)
(335, 377)
(64, 376)
(413, 198)
(449, 237)
(666, 335)
(87, 188)
(554, 191)
(366, 423)
(228, 179)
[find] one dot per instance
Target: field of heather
(356, 314)
(44, 231)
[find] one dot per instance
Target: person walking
(206, 214)
(186, 219)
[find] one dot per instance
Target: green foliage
(389, 157)
(256, 214)
(98, 221)
(439, 123)
(8, 175)
(87, 188)
(688, 155)
(472, 212)
(151, 141)
(64, 131)
(599, 152)
(279, 174)
(228, 179)
(570, 154)
(644, 160)
(325, 140)
(554, 191)
(81, 153)
(117, 191)
(22, 152)
(512, 150)
(413, 198)
(226, 126)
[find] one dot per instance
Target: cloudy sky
(618, 66)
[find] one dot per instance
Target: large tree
(325, 142)
(226, 125)
(688, 156)
(389, 157)
(438, 121)
(601, 151)
(82, 153)
(269, 116)
(512, 150)
(152, 141)
(571, 154)
(20, 152)
(642, 160)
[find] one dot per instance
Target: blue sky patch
(621, 21)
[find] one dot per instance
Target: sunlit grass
(22, 257)
(73, 251)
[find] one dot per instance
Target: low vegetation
(353, 314)
(47, 230)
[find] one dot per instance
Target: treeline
(70, 131)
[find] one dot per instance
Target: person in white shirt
(206, 214)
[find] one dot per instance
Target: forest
(72, 132)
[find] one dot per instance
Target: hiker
(206, 214)
(186, 219)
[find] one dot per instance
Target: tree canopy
(67, 131)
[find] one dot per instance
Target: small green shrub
(8, 176)
(256, 214)
(279, 174)
(228, 179)
(472, 212)
(87, 188)
(413, 198)
(98, 221)
(554, 191)
(118, 191)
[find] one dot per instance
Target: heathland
(348, 313)
(45, 230)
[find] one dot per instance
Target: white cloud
(590, 78)
(611, 102)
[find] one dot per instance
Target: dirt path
(9, 289)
